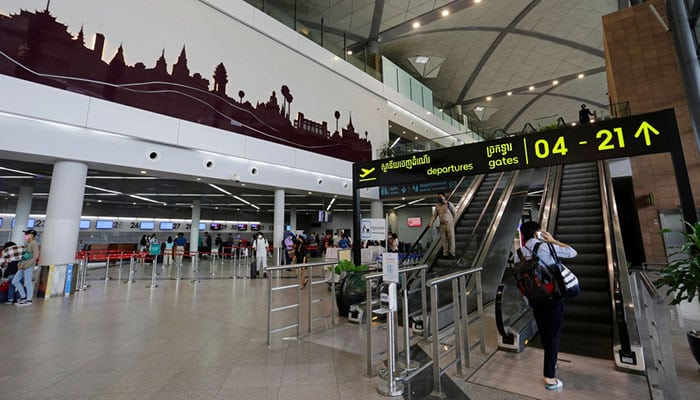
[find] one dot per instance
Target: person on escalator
(549, 315)
(446, 212)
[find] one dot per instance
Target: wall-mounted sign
(373, 229)
(417, 188)
(415, 222)
(622, 137)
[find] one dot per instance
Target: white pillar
(65, 205)
(376, 209)
(24, 206)
(278, 222)
(293, 219)
(194, 233)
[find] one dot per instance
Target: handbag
(26, 256)
(566, 280)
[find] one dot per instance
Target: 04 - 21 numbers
(611, 140)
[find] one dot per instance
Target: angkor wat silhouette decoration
(38, 48)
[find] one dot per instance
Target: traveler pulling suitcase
(253, 270)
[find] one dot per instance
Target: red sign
(415, 222)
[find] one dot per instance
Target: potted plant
(682, 277)
(350, 289)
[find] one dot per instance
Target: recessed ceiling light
(415, 138)
(403, 198)
(531, 88)
(143, 172)
(199, 179)
(445, 13)
(422, 59)
(310, 193)
(488, 98)
(416, 25)
(580, 76)
(509, 94)
(349, 52)
(477, 1)
(555, 82)
(403, 131)
(440, 109)
(573, 124)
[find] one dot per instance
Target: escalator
(588, 318)
(487, 218)
(578, 208)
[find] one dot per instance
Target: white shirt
(543, 251)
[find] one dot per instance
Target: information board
(373, 229)
(622, 137)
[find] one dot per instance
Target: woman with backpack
(549, 314)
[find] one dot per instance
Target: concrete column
(278, 222)
(60, 237)
(376, 209)
(688, 65)
(194, 233)
(24, 206)
(293, 219)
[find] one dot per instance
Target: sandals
(554, 386)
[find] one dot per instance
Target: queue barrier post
(153, 274)
(393, 385)
(107, 277)
(195, 265)
(132, 268)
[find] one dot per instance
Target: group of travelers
(18, 266)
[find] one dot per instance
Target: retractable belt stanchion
(132, 268)
(153, 274)
(195, 264)
(121, 257)
(392, 386)
(179, 268)
(107, 268)
(82, 267)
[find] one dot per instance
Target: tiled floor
(204, 340)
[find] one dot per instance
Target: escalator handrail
(617, 263)
(499, 313)
(506, 195)
(479, 219)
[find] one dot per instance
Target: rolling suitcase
(253, 270)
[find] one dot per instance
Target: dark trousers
(549, 317)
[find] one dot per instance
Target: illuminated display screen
(84, 224)
(166, 226)
(147, 225)
(30, 223)
(104, 224)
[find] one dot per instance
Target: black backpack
(534, 280)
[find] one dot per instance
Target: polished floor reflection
(207, 340)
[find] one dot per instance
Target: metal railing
(298, 286)
(653, 324)
(373, 278)
(460, 332)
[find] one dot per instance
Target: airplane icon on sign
(366, 172)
